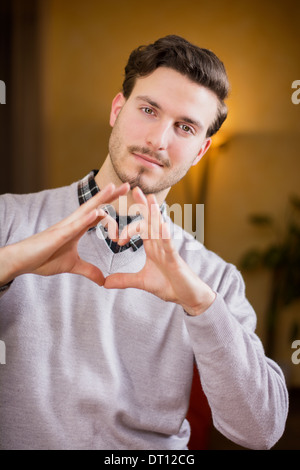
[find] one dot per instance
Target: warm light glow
(220, 139)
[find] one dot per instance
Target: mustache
(150, 153)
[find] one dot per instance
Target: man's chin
(142, 180)
(144, 187)
(138, 181)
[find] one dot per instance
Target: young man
(108, 364)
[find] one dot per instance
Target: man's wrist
(5, 287)
(7, 275)
(207, 301)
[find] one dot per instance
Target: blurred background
(62, 62)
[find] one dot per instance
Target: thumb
(123, 281)
(89, 271)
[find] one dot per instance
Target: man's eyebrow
(186, 119)
(194, 122)
(149, 100)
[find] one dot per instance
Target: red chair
(199, 416)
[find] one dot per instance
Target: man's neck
(125, 205)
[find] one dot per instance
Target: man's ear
(205, 146)
(116, 106)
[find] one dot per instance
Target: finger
(63, 233)
(88, 215)
(108, 222)
(140, 201)
(119, 191)
(93, 203)
(170, 252)
(123, 281)
(165, 232)
(138, 227)
(107, 195)
(138, 196)
(45, 245)
(154, 219)
(150, 211)
(89, 271)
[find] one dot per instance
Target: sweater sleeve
(5, 288)
(3, 238)
(245, 390)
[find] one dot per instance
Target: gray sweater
(90, 368)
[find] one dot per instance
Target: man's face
(159, 131)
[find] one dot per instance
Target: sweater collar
(87, 188)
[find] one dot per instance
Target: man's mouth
(148, 161)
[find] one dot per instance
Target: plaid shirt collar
(87, 188)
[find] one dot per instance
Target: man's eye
(186, 128)
(147, 110)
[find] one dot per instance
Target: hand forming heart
(54, 251)
(165, 274)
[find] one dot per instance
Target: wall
(86, 45)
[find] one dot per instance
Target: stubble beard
(116, 157)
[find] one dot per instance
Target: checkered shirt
(87, 188)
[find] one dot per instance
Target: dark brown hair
(199, 65)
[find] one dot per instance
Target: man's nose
(158, 136)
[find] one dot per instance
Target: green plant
(282, 258)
